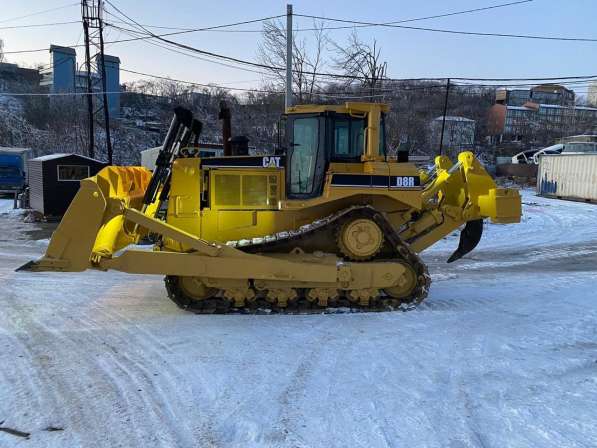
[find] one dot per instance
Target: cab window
(305, 145)
(349, 138)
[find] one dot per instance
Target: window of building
(72, 172)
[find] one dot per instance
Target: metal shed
(54, 180)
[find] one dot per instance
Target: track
(310, 238)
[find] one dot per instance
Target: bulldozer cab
(315, 136)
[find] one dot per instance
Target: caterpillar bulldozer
(330, 219)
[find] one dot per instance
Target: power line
(467, 11)
(190, 48)
(538, 79)
(342, 94)
(151, 35)
(194, 56)
(251, 63)
(36, 50)
(346, 95)
(160, 37)
(330, 75)
(192, 30)
(389, 90)
(437, 16)
(445, 31)
(38, 25)
(39, 12)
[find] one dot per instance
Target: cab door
(306, 155)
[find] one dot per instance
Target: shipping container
(568, 176)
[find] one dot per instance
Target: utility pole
(288, 101)
(91, 139)
(441, 138)
(103, 74)
(93, 26)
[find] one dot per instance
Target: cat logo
(271, 162)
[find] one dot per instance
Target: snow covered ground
(502, 354)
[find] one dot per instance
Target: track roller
(281, 296)
(323, 296)
(362, 297)
(239, 296)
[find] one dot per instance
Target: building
(63, 75)
(541, 94)
(14, 78)
(537, 122)
(54, 180)
(538, 115)
(583, 138)
(592, 96)
(459, 133)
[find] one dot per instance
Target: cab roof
(346, 108)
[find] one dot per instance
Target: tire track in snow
(131, 375)
(132, 364)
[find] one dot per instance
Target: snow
(502, 354)
(7, 206)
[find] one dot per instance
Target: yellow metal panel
(236, 219)
(255, 191)
(226, 189)
(184, 202)
(245, 188)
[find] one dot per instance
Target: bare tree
(307, 58)
(2, 58)
(362, 61)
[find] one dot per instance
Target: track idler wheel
(407, 284)
(187, 291)
(360, 239)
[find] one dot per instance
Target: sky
(409, 53)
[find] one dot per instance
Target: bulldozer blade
(94, 223)
(26, 267)
(469, 238)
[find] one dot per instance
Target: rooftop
(61, 155)
(15, 150)
(557, 106)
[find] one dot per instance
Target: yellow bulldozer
(330, 219)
